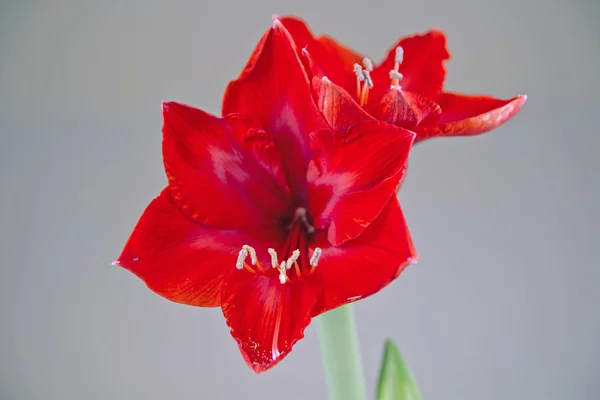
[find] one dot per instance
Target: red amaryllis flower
(269, 212)
(405, 89)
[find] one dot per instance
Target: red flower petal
(404, 109)
(422, 66)
(354, 175)
(273, 88)
(365, 265)
(211, 179)
(181, 260)
(471, 115)
(331, 59)
(258, 145)
(338, 107)
(266, 318)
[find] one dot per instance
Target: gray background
(502, 305)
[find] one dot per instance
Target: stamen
(358, 72)
(274, 261)
(293, 258)
(298, 273)
(359, 78)
(399, 55)
(368, 64)
(314, 260)
(241, 258)
(250, 250)
(364, 94)
(301, 213)
(368, 79)
(282, 267)
(396, 77)
(282, 273)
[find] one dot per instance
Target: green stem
(341, 354)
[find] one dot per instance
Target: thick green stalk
(341, 354)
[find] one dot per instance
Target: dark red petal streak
(258, 145)
(330, 58)
(422, 67)
(354, 175)
(405, 109)
(464, 115)
(211, 179)
(181, 260)
(367, 264)
(274, 89)
(338, 107)
(266, 318)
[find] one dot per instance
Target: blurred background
(502, 305)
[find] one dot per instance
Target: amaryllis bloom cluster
(285, 207)
(271, 212)
(405, 88)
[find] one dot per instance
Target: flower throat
(295, 264)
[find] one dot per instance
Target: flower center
(363, 80)
(295, 263)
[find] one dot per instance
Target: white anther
(293, 258)
(252, 253)
(274, 261)
(282, 273)
(367, 77)
(395, 75)
(314, 260)
(241, 258)
(399, 55)
(358, 71)
(368, 64)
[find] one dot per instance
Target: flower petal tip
(116, 263)
(276, 21)
(166, 105)
(258, 368)
(437, 32)
(515, 104)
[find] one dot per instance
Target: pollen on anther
(282, 273)
(274, 260)
(399, 55)
(358, 71)
(241, 259)
(314, 259)
(395, 75)
(368, 64)
(367, 77)
(250, 250)
(293, 258)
